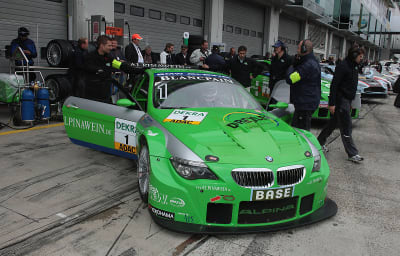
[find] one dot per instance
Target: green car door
(102, 126)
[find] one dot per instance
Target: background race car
(210, 158)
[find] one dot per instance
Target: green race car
(210, 159)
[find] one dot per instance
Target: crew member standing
(27, 46)
(166, 56)
(242, 68)
(183, 57)
(98, 71)
(215, 62)
(199, 56)
(279, 64)
(132, 51)
(304, 78)
(77, 67)
(342, 92)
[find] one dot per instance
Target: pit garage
(289, 32)
(161, 24)
(30, 14)
(243, 25)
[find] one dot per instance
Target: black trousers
(341, 118)
(302, 119)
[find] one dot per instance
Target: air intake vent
(290, 175)
(253, 177)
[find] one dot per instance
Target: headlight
(317, 163)
(315, 153)
(192, 170)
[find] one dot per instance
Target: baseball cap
(22, 31)
(278, 44)
(136, 36)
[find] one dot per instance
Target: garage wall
(336, 46)
(158, 32)
(45, 20)
(289, 32)
(243, 25)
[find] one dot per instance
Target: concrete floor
(57, 198)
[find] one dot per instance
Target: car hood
(235, 136)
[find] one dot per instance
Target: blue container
(43, 103)
(27, 105)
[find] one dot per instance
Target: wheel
(143, 172)
(59, 87)
(59, 53)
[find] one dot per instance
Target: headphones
(303, 48)
(354, 52)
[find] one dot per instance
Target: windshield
(196, 90)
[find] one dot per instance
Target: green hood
(238, 136)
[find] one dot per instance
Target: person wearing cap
(215, 62)
(166, 56)
(199, 56)
(279, 64)
(183, 57)
(28, 47)
(132, 51)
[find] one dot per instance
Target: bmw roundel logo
(269, 158)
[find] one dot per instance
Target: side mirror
(125, 103)
(279, 105)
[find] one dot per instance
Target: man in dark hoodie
(304, 78)
(342, 92)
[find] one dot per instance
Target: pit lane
(57, 198)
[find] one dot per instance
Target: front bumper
(328, 210)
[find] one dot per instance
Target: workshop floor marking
(32, 129)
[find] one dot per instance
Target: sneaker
(356, 159)
(325, 148)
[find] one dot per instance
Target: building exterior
(333, 25)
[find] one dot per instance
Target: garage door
(243, 25)
(45, 20)
(289, 32)
(161, 22)
(336, 46)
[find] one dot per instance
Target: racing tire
(143, 172)
(59, 53)
(59, 87)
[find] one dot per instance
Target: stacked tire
(59, 53)
(59, 86)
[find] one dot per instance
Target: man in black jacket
(342, 92)
(133, 52)
(183, 58)
(215, 62)
(242, 68)
(98, 70)
(304, 78)
(77, 67)
(279, 64)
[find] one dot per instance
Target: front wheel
(143, 172)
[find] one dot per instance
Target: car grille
(290, 175)
(253, 177)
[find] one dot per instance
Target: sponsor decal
(185, 117)
(316, 180)
(271, 194)
(169, 76)
(125, 136)
(212, 188)
(162, 213)
(161, 198)
(236, 119)
(226, 198)
(86, 125)
(323, 104)
(188, 218)
(177, 202)
(268, 210)
(214, 199)
(269, 159)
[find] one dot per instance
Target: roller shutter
(46, 20)
(336, 46)
(289, 32)
(161, 22)
(243, 25)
